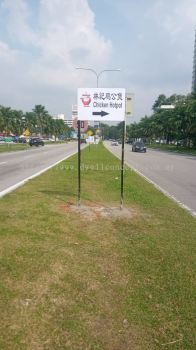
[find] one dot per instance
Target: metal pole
(79, 161)
(122, 167)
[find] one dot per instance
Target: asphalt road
(17, 166)
(175, 174)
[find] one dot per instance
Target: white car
(114, 143)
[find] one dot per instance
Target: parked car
(15, 139)
(36, 141)
(138, 146)
(22, 140)
(2, 139)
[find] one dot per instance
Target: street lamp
(98, 74)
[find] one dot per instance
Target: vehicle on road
(138, 146)
(114, 143)
(82, 140)
(36, 141)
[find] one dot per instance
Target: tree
(18, 122)
(7, 121)
(42, 118)
(58, 127)
(31, 122)
(161, 100)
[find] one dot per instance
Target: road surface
(175, 174)
(15, 167)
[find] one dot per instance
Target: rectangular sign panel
(101, 104)
(129, 104)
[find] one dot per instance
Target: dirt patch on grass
(96, 211)
(118, 334)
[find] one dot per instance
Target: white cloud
(17, 24)
(173, 17)
(63, 37)
(42, 41)
(7, 56)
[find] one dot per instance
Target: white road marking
(3, 163)
(182, 205)
(21, 183)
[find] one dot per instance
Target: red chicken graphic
(86, 100)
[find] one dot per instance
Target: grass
(10, 147)
(54, 142)
(72, 282)
(173, 148)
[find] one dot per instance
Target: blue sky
(42, 41)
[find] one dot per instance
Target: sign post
(122, 168)
(79, 162)
(101, 104)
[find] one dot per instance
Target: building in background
(194, 68)
(61, 116)
(68, 122)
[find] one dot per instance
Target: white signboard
(101, 104)
(90, 139)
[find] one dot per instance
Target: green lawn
(173, 148)
(10, 147)
(70, 280)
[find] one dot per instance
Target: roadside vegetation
(9, 147)
(12, 147)
(173, 148)
(38, 121)
(174, 126)
(80, 280)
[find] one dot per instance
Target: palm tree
(17, 122)
(7, 121)
(41, 116)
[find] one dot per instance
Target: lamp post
(98, 74)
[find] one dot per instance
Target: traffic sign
(89, 132)
(101, 104)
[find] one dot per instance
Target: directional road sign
(101, 104)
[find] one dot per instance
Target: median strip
(89, 278)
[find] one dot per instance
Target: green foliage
(169, 124)
(38, 121)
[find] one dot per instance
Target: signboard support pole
(122, 166)
(79, 161)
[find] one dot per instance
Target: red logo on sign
(86, 100)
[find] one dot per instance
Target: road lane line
(182, 205)
(21, 183)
